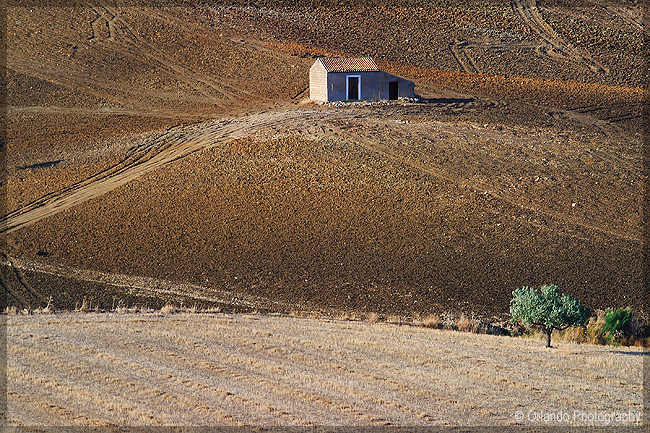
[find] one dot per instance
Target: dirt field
(225, 369)
(342, 219)
(133, 155)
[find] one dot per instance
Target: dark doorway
(393, 90)
(353, 88)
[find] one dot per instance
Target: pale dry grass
(84, 307)
(465, 324)
(232, 369)
(372, 317)
(432, 321)
(169, 309)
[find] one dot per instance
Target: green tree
(547, 309)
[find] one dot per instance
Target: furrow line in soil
(442, 174)
(147, 286)
(17, 296)
(464, 59)
(555, 45)
(23, 281)
(627, 15)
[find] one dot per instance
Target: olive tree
(547, 309)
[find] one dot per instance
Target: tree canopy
(547, 309)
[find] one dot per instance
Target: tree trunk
(548, 337)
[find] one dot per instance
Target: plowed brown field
(174, 144)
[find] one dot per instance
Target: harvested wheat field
(237, 369)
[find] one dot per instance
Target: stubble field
(249, 370)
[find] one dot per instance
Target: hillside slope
(175, 144)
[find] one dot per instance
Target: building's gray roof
(360, 64)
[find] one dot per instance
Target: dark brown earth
(518, 171)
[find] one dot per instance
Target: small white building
(334, 79)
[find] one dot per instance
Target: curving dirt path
(554, 45)
(171, 145)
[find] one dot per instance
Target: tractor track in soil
(554, 45)
(173, 144)
(459, 51)
(108, 89)
(107, 111)
(111, 34)
(123, 39)
(626, 15)
(21, 291)
(134, 285)
(179, 142)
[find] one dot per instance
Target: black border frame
(5, 4)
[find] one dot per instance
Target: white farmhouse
(334, 79)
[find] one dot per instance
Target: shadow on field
(41, 165)
(629, 352)
(438, 101)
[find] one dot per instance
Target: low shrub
(617, 327)
(616, 324)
